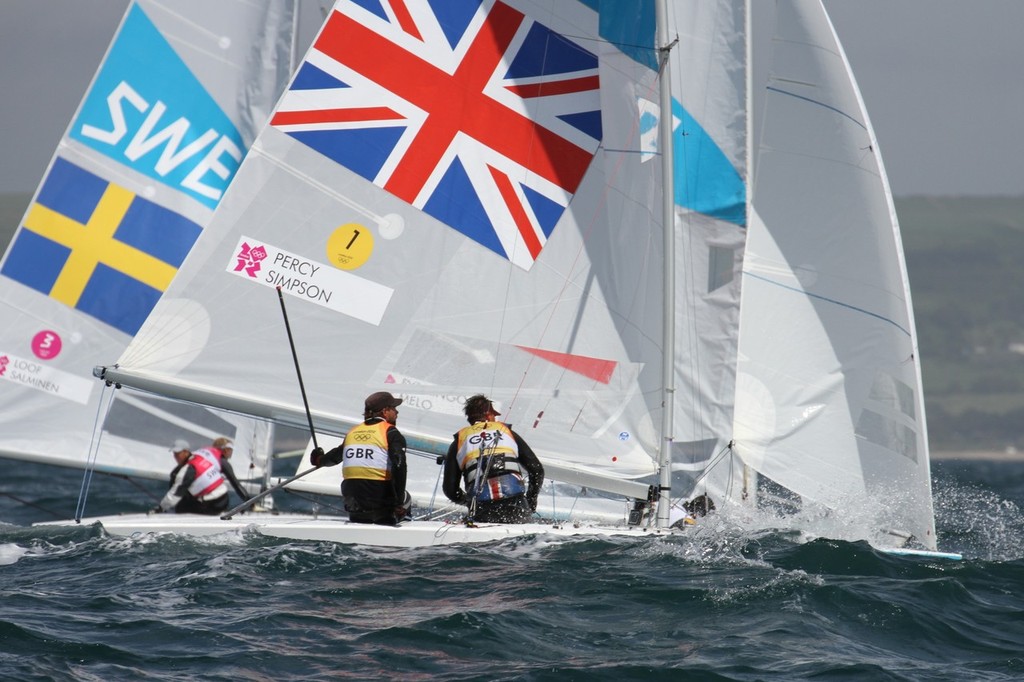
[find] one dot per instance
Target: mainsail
(177, 100)
(466, 207)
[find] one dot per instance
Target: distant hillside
(964, 259)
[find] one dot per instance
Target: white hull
(196, 525)
(927, 554)
(338, 529)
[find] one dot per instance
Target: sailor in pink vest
(198, 484)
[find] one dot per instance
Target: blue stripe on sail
(372, 6)
(705, 180)
(160, 232)
(35, 261)
(454, 17)
(547, 212)
(544, 52)
(818, 103)
(71, 191)
(456, 203)
(310, 77)
(648, 122)
(630, 25)
(127, 309)
(588, 122)
(363, 151)
(829, 300)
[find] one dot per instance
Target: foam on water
(10, 553)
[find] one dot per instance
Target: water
(716, 604)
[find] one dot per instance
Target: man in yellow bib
(493, 461)
(373, 464)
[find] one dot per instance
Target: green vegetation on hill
(964, 260)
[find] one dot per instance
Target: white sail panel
(830, 403)
(175, 103)
(709, 122)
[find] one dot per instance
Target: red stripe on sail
(592, 368)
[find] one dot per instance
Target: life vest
(365, 452)
(489, 447)
(206, 462)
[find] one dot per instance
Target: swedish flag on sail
(99, 248)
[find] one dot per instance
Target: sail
(829, 401)
(158, 137)
(453, 200)
(708, 73)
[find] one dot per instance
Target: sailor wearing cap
(373, 464)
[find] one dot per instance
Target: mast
(749, 476)
(669, 302)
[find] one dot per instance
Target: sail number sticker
(309, 280)
(350, 246)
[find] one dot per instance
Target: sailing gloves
(319, 458)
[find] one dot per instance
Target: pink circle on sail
(46, 344)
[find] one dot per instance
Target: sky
(942, 81)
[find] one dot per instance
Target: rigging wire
(32, 504)
(103, 406)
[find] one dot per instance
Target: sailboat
(561, 205)
(181, 93)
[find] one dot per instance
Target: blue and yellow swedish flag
(99, 248)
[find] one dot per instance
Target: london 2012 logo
(4, 361)
(249, 259)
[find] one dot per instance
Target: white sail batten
(178, 98)
(829, 398)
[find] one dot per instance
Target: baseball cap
(378, 401)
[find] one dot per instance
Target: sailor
(698, 507)
(198, 481)
(180, 451)
(226, 447)
(492, 459)
(373, 464)
(197, 486)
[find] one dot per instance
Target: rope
(33, 505)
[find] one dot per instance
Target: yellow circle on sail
(350, 246)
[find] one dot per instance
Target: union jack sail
(470, 111)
